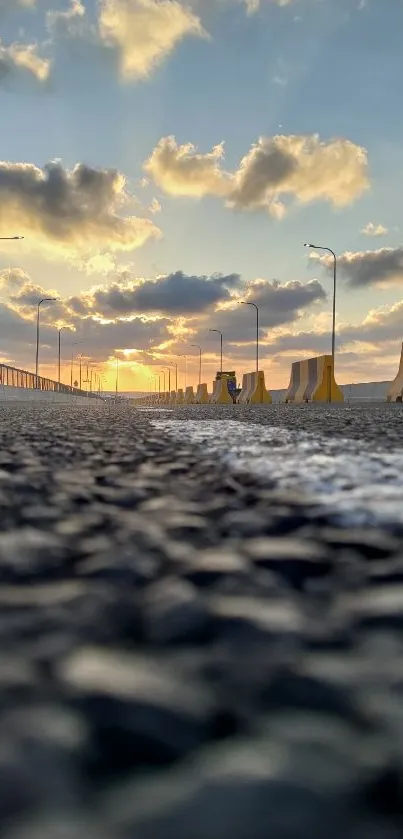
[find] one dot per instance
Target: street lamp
(169, 378)
(10, 238)
(175, 364)
(80, 358)
(200, 359)
(117, 377)
(329, 250)
(60, 332)
(163, 374)
(250, 303)
(186, 366)
(220, 334)
(75, 344)
(44, 300)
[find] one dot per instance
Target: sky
(165, 160)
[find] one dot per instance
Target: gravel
(188, 652)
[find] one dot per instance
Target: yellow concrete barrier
(202, 395)
(179, 397)
(395, 392)
(312, 380)
(259, 395)
(246, 389)
(189, 396)
(254, 391)
(221, 394)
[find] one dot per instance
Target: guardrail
(14, 377)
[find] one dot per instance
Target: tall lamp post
(186, 366)
(44, 300)
(80, 358)
(200, 360)
(117, 378)
(175, 364)
(75, 344)
(58, 366)
(220, 334)
(163, 374)
(329, 250)
(168, 369)
(250, 303)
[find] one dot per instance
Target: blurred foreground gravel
(186, 653)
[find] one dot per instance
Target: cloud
(145, 31)
(149, 317)
(100, 340)
(374, 230)
(69, 23)
(279, 303)
(366, 268)
(303, 168)
(70, 212)
(155, 207)
(137, 34)
(23, 61)
(253, 6)
(381, 326)
(182, 170)
(176, 294)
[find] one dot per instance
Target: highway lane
(192, 651)
(348, 458)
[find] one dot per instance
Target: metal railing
(14, 377)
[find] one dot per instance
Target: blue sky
(105, 85)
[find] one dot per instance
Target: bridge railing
(14, 377)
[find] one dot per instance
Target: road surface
(194, 645)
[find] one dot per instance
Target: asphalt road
(192, 651)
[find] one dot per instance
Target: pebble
(296, 560)
(260, 787)
(139, 711)
(174, 613)
(212, 565)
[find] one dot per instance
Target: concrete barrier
(312, 380)
(258, 394)
(246, 389)
(395, 392)
(254, 390)
(221, 394)
(202, 395)
(180, 399)
(172, 398)
(189, 396)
